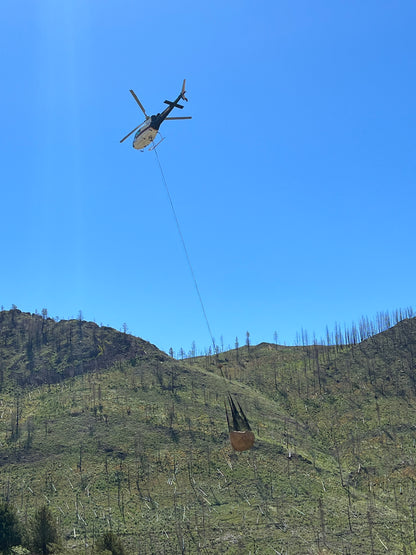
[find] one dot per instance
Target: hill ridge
(35, 349)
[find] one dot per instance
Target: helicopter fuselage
(150, 128)
(145, 135)
(147, 131)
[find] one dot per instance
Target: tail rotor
(184, 91)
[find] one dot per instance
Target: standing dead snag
(241, 436)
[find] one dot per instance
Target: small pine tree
(44, 534)
(9, 528)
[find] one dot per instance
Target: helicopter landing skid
(155, 145)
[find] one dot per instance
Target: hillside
(35, 349)
(111, 433)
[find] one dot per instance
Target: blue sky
(294, 183)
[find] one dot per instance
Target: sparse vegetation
(118, 440)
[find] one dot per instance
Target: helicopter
(147, 131)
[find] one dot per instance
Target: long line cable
(184, 248)
(197, 288)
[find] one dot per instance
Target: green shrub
(110, 543)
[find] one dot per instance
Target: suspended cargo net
(241, 436)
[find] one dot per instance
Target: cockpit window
(144, 126)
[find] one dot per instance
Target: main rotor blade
(126, 137)
(185, 117)
(138, 102)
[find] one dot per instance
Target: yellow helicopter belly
(144, 138)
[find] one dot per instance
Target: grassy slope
(139, 443)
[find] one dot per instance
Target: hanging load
(241, 436)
